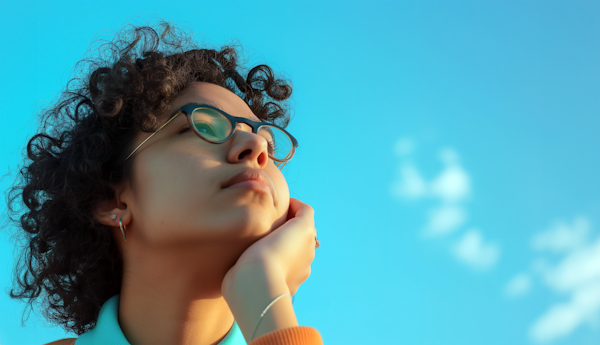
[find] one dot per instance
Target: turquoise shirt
(108, 331)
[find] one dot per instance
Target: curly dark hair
(69, 263)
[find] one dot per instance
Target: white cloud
(411, 184)
(404, 147)
(453, 184)
(562, 319)
(450, 188)
(444, 220)
(472, 250)
(574, 275)
(563, 237)
(576, 269)
(518, 286)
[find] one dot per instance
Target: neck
(174, 296)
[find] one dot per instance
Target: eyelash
(183, 130)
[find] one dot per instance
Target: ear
(109, 212)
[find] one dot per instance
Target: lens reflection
(211, 124)
(215, 127)
(280, 145)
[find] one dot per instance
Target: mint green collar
(108, 331)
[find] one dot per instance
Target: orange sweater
(300, 335)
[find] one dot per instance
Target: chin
(253, 224)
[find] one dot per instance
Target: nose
(248, 146)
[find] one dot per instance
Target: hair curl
(70, 263)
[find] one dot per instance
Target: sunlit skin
(185, 233)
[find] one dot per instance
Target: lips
(251, 174)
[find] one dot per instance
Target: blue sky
(449, 149)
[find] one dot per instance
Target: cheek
(168, 190)
(282, 191)
(169, 175)
(283, 204)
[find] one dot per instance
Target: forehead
(215, 95)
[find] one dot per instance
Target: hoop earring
(123, 230)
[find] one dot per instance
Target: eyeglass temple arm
(151, 135)
(289, 154)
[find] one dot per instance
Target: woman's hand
(286, 253)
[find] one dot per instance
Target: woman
(156, 212)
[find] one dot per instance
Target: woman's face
(177, 193)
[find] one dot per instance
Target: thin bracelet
(265, 311)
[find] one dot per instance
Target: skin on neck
(174, 296)
(184, 231)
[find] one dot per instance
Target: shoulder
(67, 341)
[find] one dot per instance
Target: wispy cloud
(518, 286)
(562, 318)
(444, 220)
(577, 268)
(563, 237)
(404, 146)
(410, 184)
(453, 184)
(573, 273)
(451, 188)
(474, 251)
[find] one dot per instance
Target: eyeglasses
(216, 126)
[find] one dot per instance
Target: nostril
(262, 158)
(244, 154)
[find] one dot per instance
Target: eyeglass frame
(234, 120)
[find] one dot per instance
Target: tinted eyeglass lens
(211, 124)
(215, 127)
(280, 144)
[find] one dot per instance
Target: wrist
(249, 290)
(253, 274)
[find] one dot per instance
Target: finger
(301, 210)
(295, 206)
